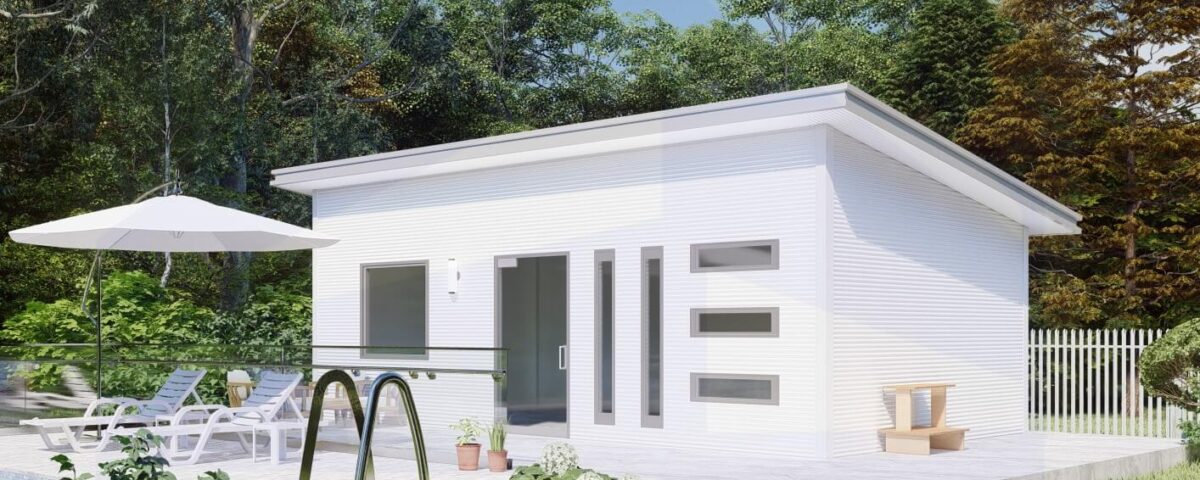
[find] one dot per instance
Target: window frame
(697, 247)
(601, 256)
(773, 311)
(652, 253)
(364, 302)
(695, 388)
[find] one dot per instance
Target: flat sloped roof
(841, 106)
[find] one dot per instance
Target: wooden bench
(919, 440)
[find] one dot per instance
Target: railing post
(314, 419)
(363, 469)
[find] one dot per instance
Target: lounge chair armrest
(183, 412)
(255, 411)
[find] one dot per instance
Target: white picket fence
(1086, 381)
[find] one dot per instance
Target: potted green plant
(497, 455)
(467, 445)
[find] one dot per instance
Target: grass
(1185, 471)
(1153, 423)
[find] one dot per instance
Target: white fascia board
(844, 107)
(946, 162)
(616, 134)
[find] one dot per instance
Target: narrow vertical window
(652, 326)
(604, 337)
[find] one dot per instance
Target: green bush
(138, 311)
(559, 461)
(1170, 367)
(138, 463)
(536, 472)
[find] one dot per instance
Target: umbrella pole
(87, 312)
(96, 275)
(99, 331)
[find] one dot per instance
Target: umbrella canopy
(174, 223)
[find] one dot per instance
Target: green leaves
(138, 311)
(536, 472)
(138, 464)
(65, 465)
(940, 72)
(1170, 367)
(469, 430)
(1077, 116)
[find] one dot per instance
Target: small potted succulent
(497, 455)
(469, 430)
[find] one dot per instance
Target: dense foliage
(101, 100)
(1096, 106)
(137, 312)
(1170, 367)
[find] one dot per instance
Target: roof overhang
(848, 109)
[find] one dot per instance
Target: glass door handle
(562, 357)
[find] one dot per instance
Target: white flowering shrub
(590, 475)
(559, 457)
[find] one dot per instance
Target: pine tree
(941, 70)
(1096, 105)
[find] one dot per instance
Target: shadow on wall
(881, 198)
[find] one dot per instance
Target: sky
(681, 13)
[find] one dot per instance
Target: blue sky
(681, 13)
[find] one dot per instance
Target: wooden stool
(905, 438)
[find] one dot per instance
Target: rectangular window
(729, 388)
(731, 256)
(735, 322)
(395, 308)
(652, 334)
(605, 330)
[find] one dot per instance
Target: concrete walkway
(1025, 456)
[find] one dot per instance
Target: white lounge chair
(180, 385)
(264, 405)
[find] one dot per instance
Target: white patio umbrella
(172, 223)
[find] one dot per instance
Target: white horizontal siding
(748, 188)
(928, 285)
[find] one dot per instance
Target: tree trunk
(1131, 225)
(168, 135)
(236, 284)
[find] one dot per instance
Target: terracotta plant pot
(468, 457)
(498, 460)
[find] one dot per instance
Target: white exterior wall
(928, 285)
(748, 188)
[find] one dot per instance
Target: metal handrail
(498, 373)
(422, 369)
(365, 466)
(314, 418)
(225, 345)
(364, 463)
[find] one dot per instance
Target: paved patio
(1025, 456)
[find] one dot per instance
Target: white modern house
(739, 276)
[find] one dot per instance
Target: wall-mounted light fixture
(452, 276)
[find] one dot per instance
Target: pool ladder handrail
(365, 468)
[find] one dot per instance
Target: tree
(819, 42)
(1095, 105)
(940, 72)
